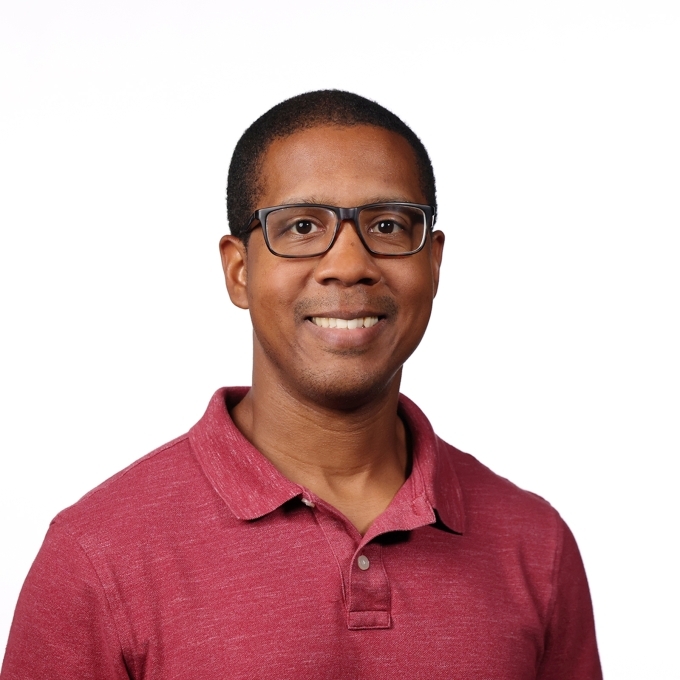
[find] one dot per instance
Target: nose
(347, 262)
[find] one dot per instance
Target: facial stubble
(346, 384)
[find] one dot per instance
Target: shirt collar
(433, 475)
(252, 487)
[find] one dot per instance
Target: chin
(346, 390)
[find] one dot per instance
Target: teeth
(329, 322)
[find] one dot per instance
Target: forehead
(345, 166)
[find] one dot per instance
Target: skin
(323, 406)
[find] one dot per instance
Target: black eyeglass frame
(343, 215)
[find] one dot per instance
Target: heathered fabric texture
(202, 561)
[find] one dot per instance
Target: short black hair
(321, 107)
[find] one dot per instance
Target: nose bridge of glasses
(348, 215)
(345, 214)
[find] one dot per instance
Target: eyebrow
(318, 200)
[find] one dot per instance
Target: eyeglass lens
(308, 230)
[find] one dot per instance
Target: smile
(330, 322)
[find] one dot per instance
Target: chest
(424, 603)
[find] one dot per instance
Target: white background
(553, 351)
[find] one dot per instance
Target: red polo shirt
(202, 561)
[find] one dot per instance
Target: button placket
(340, 541)
(369, 590)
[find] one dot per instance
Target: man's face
(338, 367)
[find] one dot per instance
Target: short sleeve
(570, 644)
(62, 625)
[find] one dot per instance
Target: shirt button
(307, 502)
(363, 562)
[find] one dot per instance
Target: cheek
(273, 289)
(419, 316)
(412, 289)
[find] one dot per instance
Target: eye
(303, 227)
(386, 227)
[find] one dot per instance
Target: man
(314, 525)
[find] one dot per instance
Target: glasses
(309, 230)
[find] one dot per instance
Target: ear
(436, 252)
(233, 254)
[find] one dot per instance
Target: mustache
(384, 305)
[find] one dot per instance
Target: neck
(355, 459)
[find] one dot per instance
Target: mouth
(349, 324)
(346, 324)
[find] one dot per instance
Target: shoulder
(517, 535)
(494, 505)
(137, 501)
